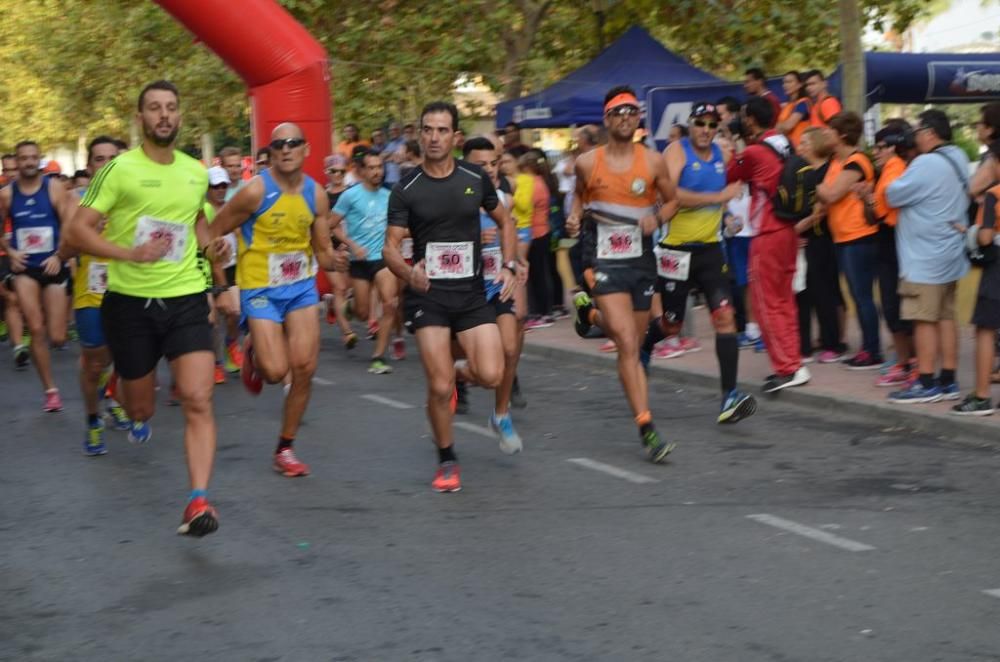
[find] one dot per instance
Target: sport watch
(510, 266)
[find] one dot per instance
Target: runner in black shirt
(439, 204)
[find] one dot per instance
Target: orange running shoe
(200, 519)
(286, 464)
(220, 374)
(234, 357)
(448, 478)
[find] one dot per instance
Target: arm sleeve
(490, 197)
(399, 213)
(989, 212)
(104, 190)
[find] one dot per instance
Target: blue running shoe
(759, 347)
(737, 406)
(93, 445)
(950, 392)
(745, 341)
(503, 426)
(117, 417)
(139, 433)
(916, 394)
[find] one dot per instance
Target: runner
(37, 206)
(89, 286)
(225, 323)
(364, 208)
(155, 305)
(617, 186)
(439, 203)
(691, 256)
(280, 218)
(483, 153)
(335, 167)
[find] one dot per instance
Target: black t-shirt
(444, 210)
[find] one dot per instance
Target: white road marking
(389, 402)
(810, 532)
(478, 429)
(525, 356)
(322, 382)
(994, 592)
(624, 474)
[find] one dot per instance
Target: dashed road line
(472, 427)
(389, 402)
(611, 470)
(811, 533)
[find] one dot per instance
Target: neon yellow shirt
(143, 199)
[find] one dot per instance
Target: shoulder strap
(954, 166)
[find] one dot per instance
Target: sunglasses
(219, 186)
(881, 146)
(703, 124)
(335, 171)
(623, 111)
(290, 143)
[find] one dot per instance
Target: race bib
(492, 263)
(287, 268)
(618, 242)
(97, 278)
(406, 248)
(674, 265)
(36, 240)
(449, 260)
(176, 234)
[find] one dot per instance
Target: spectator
(855, 238)
(931, 196)
(393, 154)
(508, 172)
(378, 141)
(677, 131)
(987, 131)
(794, 116)
(824, 106)
(351, 141)
(531, 206)
(755, 85)
(412, 157)
(774, 250)
(263, 161)
(512, 140)
(986, 317)
(81, 179)
(409, 132)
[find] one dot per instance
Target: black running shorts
(457, 310)
(708, 273)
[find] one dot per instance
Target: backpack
(796, 192)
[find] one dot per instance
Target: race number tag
(406, 248)
(176, 234)
(492, 260)
(618, 242)
(35, 240)
(97, 278)
(287, 268)
(449, 260)
(674, 265)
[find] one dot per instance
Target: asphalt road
(786, 538)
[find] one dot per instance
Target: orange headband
(623, 99)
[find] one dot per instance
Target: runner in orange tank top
(615, 203)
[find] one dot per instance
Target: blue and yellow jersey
(699, 225)
(275, 243)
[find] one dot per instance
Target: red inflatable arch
(284, 67)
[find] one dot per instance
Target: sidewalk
(833, 389)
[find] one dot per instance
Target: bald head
(287, 130)
(289, 149)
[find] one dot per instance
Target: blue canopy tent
(635, 59)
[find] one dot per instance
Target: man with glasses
(280, 219)
(263, 161)
(691, 255)
(616, 195)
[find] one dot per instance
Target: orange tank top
(847, 216)
(795, 135)
(629, 194)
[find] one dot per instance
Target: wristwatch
(510, 266)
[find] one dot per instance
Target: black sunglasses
(623, 111)
(336, 171)
(291, 143)
(703, 123)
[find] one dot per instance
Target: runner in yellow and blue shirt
(280, 219)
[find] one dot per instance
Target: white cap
(217, 175)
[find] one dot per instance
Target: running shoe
(830, 356)
(668, 349)
(560, 313)
(973, 405)
(537, 323)
(4, 335)
(200, 519)
(887, 366)
(94, 443)
(690, 345)
(737, 406)
(379, 367)
(22, 356)
(808, 359)
(448, 478)
(286, 464)
(251, 378)
(234, 358)
(372, 330)
(776, 383)
(461, 399)
(863, 361)
(657, 449)
(583, 304)
(72, 335)
(745, 341)
(350, 341)
(517, 399)
(950, 392)
(503, 427)
(116, 415)
(220, 374)
(916, 394)
(898, 376)
(759, 347)
(608, 347)
(398, 349)
(139, 433)
(53, 402)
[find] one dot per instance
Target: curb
(967, 430)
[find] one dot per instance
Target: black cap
(705, 108)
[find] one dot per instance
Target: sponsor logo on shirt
(150, 183)
(469, 191)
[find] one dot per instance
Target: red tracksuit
(772, 257)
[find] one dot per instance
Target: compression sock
(947, 377)
(197, 493)
(645, 422)
(283, 443)
(727, 349)
(447, 455)
(654, 334)
(927, 380)
(93, 420)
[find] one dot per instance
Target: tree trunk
(852, 57)
(518, 45)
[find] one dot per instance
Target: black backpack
(796, 193)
